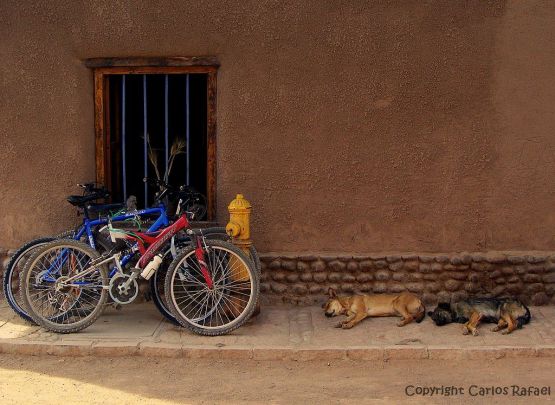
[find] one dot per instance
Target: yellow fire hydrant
(238, 228)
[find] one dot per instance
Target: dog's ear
(331, 293)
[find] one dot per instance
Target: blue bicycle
(89, 231)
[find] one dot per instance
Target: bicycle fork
(199, 254)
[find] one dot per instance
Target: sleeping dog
(506, 312)
(358, 307)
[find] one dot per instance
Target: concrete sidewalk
(279, 332)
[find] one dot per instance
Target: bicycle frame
(155, 243)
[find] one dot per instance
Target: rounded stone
(396, 288)
(430, 277)
(433, 286)
(380, 264)
(500, 280)
(416, 276)
(515, 289)
(425, 267)
(337, 265)
(459, 296)
(474, 277)
(278, 275)
(288, 264)
(411, 265)
(415, 287)
(443, 296)
(303, 266)
(348, 287)
(458, 275)
(364, 277)
(306, 277)
(437, 267)
(379, 287)
(366, 287)
(278, 288)
(429, 299)
(382, 275)
(318, 265)
(393, 258)
(481, 266)
(350, 278)
(366, 265)
(472, 287)
(299, 289)
(275, 264)
(264, 287)
(292, 277)
(352, 265)
(334, 276)
(533, 288)
(316, 289)
(320, 277)
(531, 278)
(549, 278)
(452, 285)
(399, 276)
(513, 279)
(397, 266)
(540, 298)
(536, 268)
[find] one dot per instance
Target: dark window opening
(157, 123)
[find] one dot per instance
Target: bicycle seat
(81, 200)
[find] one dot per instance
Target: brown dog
(358, 307)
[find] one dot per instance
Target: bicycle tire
(245, 313)
(47, 323)
(16, 265)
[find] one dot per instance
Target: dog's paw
(505, 332)
(347, 326)
(400, 324)
(465, 331)
(496, 329)
(475, 332)
(338, 325)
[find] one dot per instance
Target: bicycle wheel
(218, 310)
(51, 303)
(10, 281)
(157, 281)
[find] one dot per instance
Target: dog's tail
(421, 313)
(524, 319)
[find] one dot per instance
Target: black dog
(506, 312)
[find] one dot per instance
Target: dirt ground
(138, 380)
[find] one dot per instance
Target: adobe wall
(351, 127)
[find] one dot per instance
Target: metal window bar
(187, 134)
(145, 134)
(123, 143)
(166, 129)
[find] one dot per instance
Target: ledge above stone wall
(530, 276)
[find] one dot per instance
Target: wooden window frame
(103, 67)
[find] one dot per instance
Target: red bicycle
(211, 286)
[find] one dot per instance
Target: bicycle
(89, 232)
(65, 284)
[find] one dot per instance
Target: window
(155, 118)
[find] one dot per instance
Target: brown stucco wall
(351, 126)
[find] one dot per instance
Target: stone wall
(530, 276)
(443, 277)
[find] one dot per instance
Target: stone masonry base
(304, 279)
(529, 276)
